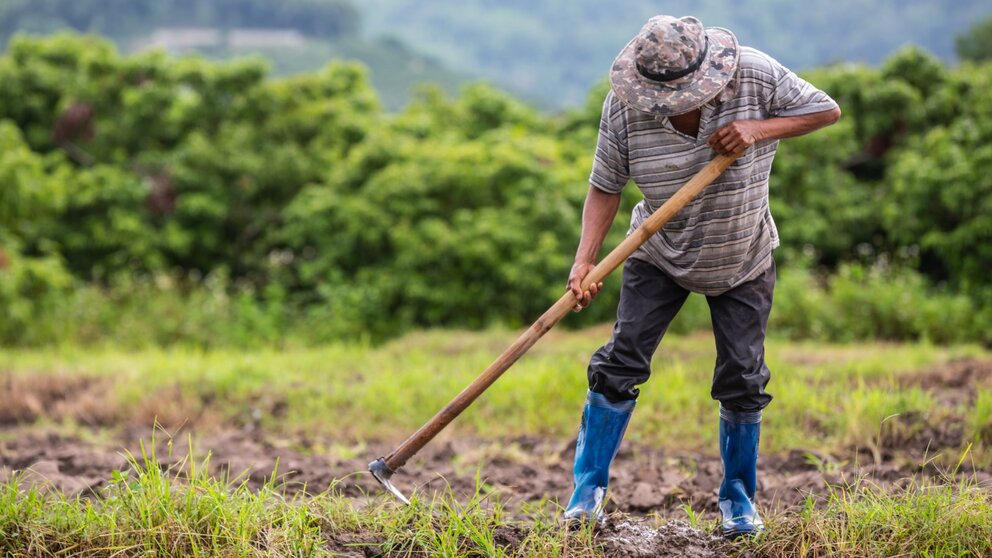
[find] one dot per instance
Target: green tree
(301, 197)
(976, 43)
(942, 192)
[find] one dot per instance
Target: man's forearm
(597, 216)
(782, 127)
(741, 134)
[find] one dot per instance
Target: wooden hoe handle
(553, 315)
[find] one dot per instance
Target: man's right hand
(575, 277)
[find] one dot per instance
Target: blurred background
(243, 172)
(549, 53)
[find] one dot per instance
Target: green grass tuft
(925, 519)
(151, 509)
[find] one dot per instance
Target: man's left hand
(736, 136)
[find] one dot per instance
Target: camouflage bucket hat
(674, 65)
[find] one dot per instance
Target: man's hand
(736, 136)
(741, 134)
(575, 277)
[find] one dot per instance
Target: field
(867, 450)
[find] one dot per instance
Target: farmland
(266, 449)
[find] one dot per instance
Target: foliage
(873, 303)
(975, 44)
(330, 28)
(163, 309)
(296, 205)
(940, 189)
(466, 228)
(550, 52)
(899, 178)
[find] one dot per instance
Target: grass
(829, 398)
(926, 519)
(178, 511)
(826, 396)
(148, 511)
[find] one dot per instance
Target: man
(681, 92)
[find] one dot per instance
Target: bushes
(44, 306)
(859, 303)
(314, 216)
(163, 310)
(29, 288)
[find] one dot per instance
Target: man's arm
(597, 215)
(741, 134)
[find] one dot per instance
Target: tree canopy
(976, 44)
(458, 211)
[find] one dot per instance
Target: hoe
(384, 467)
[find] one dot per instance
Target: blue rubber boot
(602, 428)
(739, 433)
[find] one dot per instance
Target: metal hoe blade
(383, 473)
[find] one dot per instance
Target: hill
(553, 51)
(550, 52)
(294, 35)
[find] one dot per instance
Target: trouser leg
(740, 320)
(649, 300)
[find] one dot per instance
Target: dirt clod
(25, 398)
(353, 545)
(509, 536)
(630, 538)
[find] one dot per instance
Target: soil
(620, 537)
(954, 383)
(645, 481)
(634, 539)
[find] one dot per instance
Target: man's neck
(687, 123)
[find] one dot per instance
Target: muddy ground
(645, 480)
(520, 470)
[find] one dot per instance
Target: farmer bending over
(681, 92)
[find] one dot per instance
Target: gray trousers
(649, 301)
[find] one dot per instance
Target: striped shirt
(724, 237)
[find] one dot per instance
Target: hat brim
(668, 98)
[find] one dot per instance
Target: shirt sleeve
(610, 171)
(791, 95)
